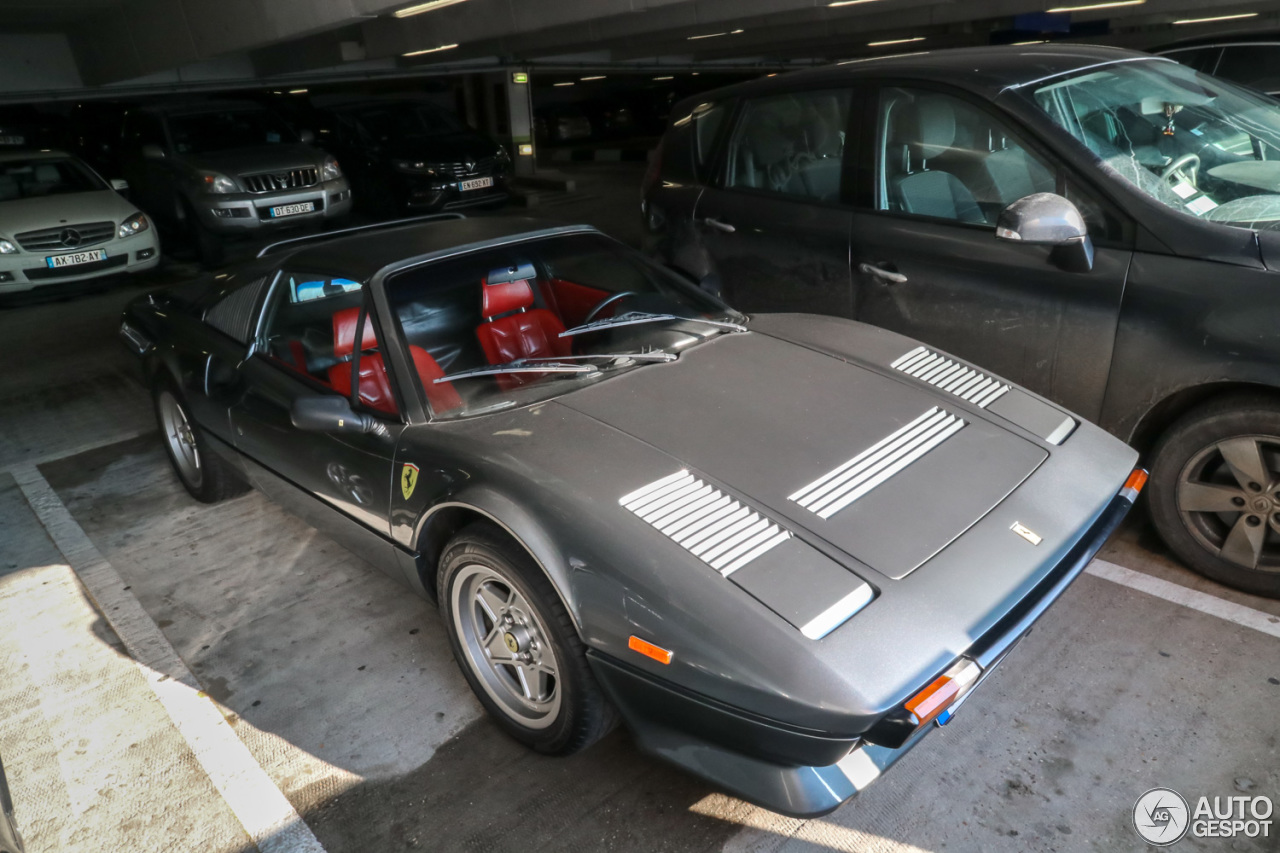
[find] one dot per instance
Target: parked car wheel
(517, 646)
(206, 475)
(1215, 492)
(210, 247)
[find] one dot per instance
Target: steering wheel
(605, 303)
(1178, 168)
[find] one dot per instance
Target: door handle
(890, 276)
(718, 225)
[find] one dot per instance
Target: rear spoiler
(272, 248)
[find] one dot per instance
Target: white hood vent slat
(709, 524)
(951, 376)
(836, 489)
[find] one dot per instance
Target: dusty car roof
(985, 70)
(361, 255)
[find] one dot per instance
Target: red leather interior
(501, 298)
(573, 301)
(344, 332)
(375, 386)
(527, 334)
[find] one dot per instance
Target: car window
(1197, 144)
(496, 306)
(943, 157)
(42, 177)
(689, 145)
(1200, 58)
(791, 144)
(1256, 65)
(308, 329)
(142, 129)
(220, 130)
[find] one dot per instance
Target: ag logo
(1161, 817)
(408, 479)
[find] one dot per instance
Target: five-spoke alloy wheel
(1215, 495)
(517, 645)
(206, 475)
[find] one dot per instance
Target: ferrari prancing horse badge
(408, 479)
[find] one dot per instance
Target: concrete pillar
(519, 91)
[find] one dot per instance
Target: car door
(774, 225)
(938, 170)
(341, 483)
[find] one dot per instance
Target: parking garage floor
(181, 677)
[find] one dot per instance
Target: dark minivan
(1099, 225)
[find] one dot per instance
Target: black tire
(210, 247)
(211, 479)
(582, 715)
(1208, 509)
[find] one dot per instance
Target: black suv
(405, 155)
(1099, 225)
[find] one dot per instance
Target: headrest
(506, 296)
(47, 173)
(935, 126)
(344, 332)
(769, 145)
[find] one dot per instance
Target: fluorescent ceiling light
(1093, 6)
(595, 77)
(1033, 41)
(894, 41)
(430, 50)
(562, 84)
(715, 35)
(668, 77)
(424, 7)
(850, 2)
(297, 91)
(1218, 18)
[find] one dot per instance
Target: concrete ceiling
(122, 41)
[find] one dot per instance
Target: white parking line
(1205, 603)
(267, 816)
(77, 450)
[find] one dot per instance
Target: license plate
(72, 259)
(293, 209)
(475, 184)
(13, 140)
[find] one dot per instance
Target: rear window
(689, 145)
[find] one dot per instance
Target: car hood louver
(774, 421)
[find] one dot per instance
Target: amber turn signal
(649, 650)
(945, 689)
(1133, 485)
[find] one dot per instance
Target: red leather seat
(375, 385)
(514, 329)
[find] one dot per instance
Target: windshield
(475, 324)
(1200, 145)
(32, 178)
(393, 120)
(200, 133)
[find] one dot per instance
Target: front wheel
(207, 476)
(1215, 492)
(516, 645)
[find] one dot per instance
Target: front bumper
(25, 270)
(420, 194)
(805, 773)
(250, 213)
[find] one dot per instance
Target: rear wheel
(207, 476)
(517, 646)
(1215, 492)
(209, 246)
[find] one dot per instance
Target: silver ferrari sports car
(779, 548)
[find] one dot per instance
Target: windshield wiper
(559, 364)
(632, 318)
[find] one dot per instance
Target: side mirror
(151, 151)
(306, 136)
(119, 184)
(1048, 219)
(329, 413)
